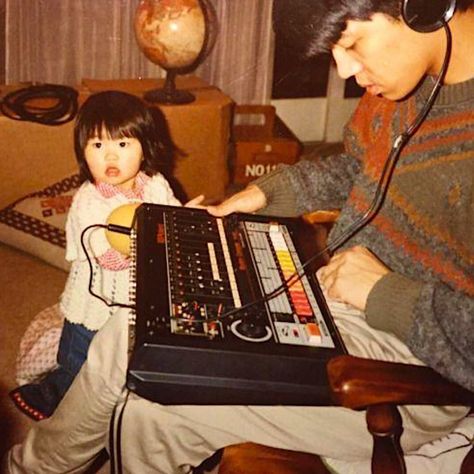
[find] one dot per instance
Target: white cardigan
(89, 207)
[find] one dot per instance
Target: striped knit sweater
(425, 230)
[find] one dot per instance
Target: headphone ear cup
(425, 16)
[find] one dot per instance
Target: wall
(318, 119)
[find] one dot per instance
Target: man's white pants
(170, 439)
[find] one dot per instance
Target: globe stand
(169, 94)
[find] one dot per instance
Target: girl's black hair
(311, 27)
(119, 114)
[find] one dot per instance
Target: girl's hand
(350, 276)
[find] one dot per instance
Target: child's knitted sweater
(425, 230)
(93, 204)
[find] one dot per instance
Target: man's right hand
(251, 199)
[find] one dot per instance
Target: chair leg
(209, 464)
(251, 458)
(385, 424)
(467, 466)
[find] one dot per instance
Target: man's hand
(350, 276)
(196, 202)
(251, 199)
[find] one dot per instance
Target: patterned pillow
(36, 222)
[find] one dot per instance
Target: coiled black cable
(18, 104)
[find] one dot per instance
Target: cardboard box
(261, 141)
(38, 155)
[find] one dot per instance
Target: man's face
(385, 56)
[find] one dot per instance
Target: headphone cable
(382, 187)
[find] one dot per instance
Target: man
(409, 269)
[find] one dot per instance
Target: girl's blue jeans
(72, 352)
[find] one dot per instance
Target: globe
(177, 35)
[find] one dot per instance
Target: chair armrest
(358, 383)
(321, 217)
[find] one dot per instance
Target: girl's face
(114, 161)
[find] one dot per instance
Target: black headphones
(425, 16)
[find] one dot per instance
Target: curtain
(64, 41)
(241, 63)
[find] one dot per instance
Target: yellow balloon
(123, 216)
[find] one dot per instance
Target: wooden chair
(378, 387)
(360, 384)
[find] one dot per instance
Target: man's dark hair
(311, 27)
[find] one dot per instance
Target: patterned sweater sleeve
(320, 183)
(310, 184)
(434, 320)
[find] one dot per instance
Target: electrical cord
(113, 228)
(17, 104)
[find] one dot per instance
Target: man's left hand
(351, 274)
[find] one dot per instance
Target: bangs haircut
(115, 115)
(114, 124)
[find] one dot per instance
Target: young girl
(121, 145)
